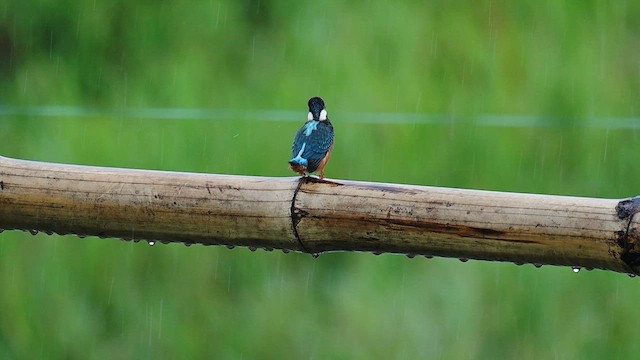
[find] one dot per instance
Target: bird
(313, 143)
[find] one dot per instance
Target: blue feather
(309, 127)
(299, 160)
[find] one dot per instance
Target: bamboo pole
(315, 216)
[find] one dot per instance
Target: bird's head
(317, 111)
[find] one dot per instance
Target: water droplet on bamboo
(151, 243)
(576, 269)
(463, 259)
(33, 232)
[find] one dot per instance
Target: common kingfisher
(313, 143)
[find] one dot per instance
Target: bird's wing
(297, 142)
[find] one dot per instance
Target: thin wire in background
(488, 120)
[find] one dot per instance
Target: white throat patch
(323, 115)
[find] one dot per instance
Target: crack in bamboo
(296, 214)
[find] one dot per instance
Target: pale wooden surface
(331, 215)
(147, 205)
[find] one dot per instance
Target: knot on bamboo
(629, 241)
(628, 207)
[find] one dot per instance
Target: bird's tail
(298, 161)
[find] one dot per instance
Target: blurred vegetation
(572, 65)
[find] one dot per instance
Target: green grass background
(573, 65)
